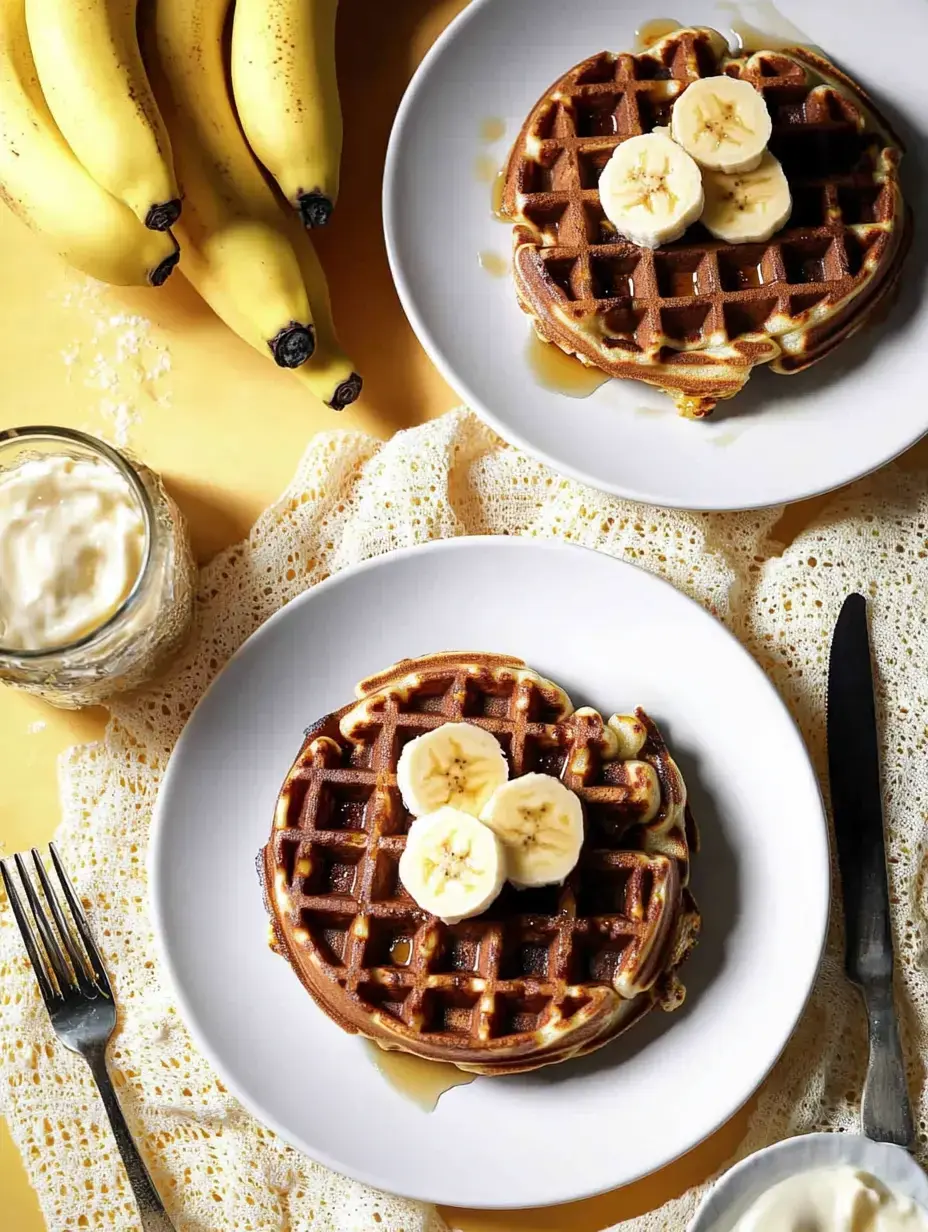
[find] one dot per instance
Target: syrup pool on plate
(96, 572)
(486, 168)
(492, 129)
(775, 32)
(653, 31)
(495, 265)
(560, 372)
(423, 1082)
(496, 195)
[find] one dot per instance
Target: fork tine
(75, 953)
(49, 994)
(77, 911)
(52, 947)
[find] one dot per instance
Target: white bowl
(735, 1192)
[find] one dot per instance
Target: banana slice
(651, 190)
(453, 865)
(722, 122)
(455, 764)
(749, 205)
(540, 824)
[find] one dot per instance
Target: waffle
(543, 974)
(695, 316)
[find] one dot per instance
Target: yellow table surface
(227, 441)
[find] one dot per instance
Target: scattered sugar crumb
(70, 355)
(122, 417)
(36, 726)
(122, 360)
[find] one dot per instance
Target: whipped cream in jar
(97, 576)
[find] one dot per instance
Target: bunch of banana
(100, 145)
(250, 260)
(94, 216)
(89, 63)
(283, 76)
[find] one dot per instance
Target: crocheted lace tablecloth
(352, 498)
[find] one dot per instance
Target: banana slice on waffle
(747, 207)
(723, 123)
(651, 190)
(540, 825)
(456, 764)
(452, 865)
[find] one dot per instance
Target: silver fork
(79, 1000)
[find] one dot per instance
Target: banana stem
(162, 272)
(293, 345)
(161, 217)
(346, 393)
(315, 209)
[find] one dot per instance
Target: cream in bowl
(96, 571)
(831, 1182)
(835, 1199)
(72, 544)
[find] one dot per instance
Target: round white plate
(781, 438)
(614, 637)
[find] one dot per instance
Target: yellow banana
(230, 229)
(329, 375)
(283, 76)
(90, 67)
(43, 182)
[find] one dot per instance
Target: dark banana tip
(162, 272)
(315, 209)
(160, 217)
(346, 393)
(293, 345)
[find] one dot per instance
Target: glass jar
(147, 626)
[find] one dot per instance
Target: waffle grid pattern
(531, 961)
(632, 305)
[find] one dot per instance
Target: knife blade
(857, 806)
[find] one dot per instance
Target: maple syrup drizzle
(496, 196)
(492, 129)
(563, 374)
(653, 31)
(495, 265)
(401, 952)
(485, 168)
(752, 38)
(423, 1082)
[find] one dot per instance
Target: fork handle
(151, 1209)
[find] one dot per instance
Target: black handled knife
(856, 798)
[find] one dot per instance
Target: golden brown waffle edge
(534, 980)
